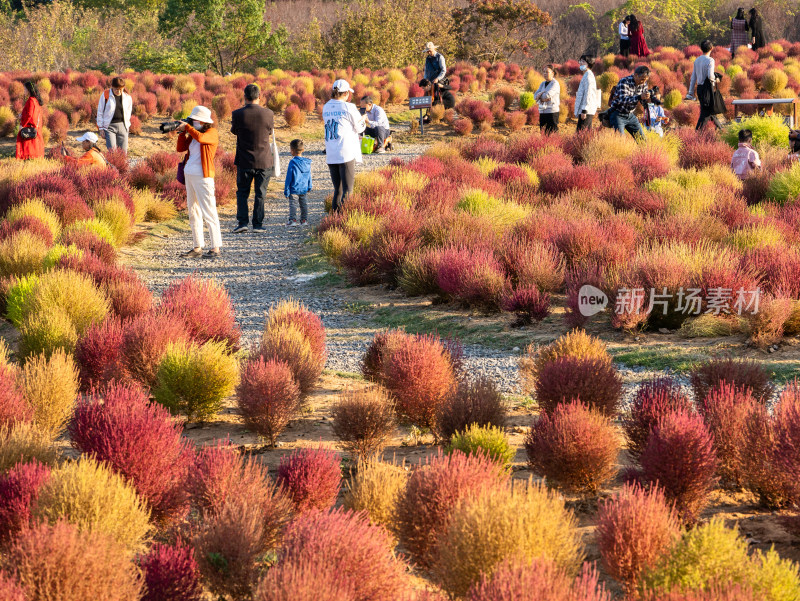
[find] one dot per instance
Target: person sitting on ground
(627, 94)
(298, 182)
(377, 123)
(548, 98)
(92, 156)
(794, 145)
(588, 97)
(654, 116)
(440, 94)
(201, 139)
(745, 159)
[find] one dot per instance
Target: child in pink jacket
(745, 158)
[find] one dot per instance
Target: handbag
(276, 161)
(27, 133)
(180, 176)
(367, 144)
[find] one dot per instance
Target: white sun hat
(430, 47)
(341, 85)
(89, 137)
(202, 114)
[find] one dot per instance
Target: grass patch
(313, 263)
(663, 357)
(404, 116)
(358, 307)
(454, 326)
(783, 371)
(345, 375)
(329, 280)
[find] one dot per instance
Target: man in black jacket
(252, 125)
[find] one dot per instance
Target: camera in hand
(169, 126)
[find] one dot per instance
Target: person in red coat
(636, 33)
(31, 148)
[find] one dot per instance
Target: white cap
(430, 47)
(89, 137)
(341, 85)
(201, 114)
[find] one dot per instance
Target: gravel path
(258, 270)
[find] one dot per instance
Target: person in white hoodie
(548, 98)
(114, 114)
(343, 124)
(587, 98)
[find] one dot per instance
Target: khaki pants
(202, 206)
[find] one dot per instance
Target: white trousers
(202, 206)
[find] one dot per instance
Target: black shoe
(239, 229)
(212, 254)
(192, 254)
(261, 229)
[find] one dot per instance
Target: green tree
(225, 35)
(495, 30)
(382, 34)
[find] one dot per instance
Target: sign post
(420, 102)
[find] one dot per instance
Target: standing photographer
(435, 72)
(200, 138)
(114, 114)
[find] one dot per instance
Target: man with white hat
(343, 124)
(93, 156)
(201, 139)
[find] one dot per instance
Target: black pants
(244, 179)
(625, 47)
(585, 123)
(343, 176)
(379, 133)
(705, 115)
(548, 122)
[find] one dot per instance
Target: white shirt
(194, 166)
(702, 69)
(548, 96)
(105, 109)
(588, 97)
(377, 117)
(343, 123)
(623, 31)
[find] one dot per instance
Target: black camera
(169, 126)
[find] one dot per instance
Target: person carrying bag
(702, 86)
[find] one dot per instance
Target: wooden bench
(769, 106)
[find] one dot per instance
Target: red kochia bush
(595, 382)
(19, 489)
(311, 477)
(129, 298)
(741, 373)
(476, 401)
(13, 407)
(680, 457)
(92, 243)
(138, 440)
(786, 453)
(528, 303)
(433, 489)
(574, 448)
(289, 582)
(145, 338)
(652, 401)
(99, 354)
(649, 164)
(268, 396)
(58, 124)
(418, 372)
(206, 309)
(726, 410)
(162, 162)
(538, 580)
(577, 178)
(30, 224)
(345, 544)
(474, 277)
(10, 590)
(170, 573)
(634, 529)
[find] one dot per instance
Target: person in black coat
(252, 125)
(756, 26)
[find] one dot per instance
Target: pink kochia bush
(634, 529)
(19, 489)
(10, 590)
(290, 582)
(170, 573)
(433, 489)
(574, 448)
(13, 407)
(138, 440)
(343, 545)
(680, 458)
(145, 340)
(594, 381)
(206, 309)
(99, 354)
(311, 477)
(539, 580)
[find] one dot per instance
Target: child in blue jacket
(298, 182)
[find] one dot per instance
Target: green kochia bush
(711, 554)
(766, 130)
(487, 440)
(785, 185)
(195, 379)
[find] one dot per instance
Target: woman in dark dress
(740, 34)
(757, 37)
